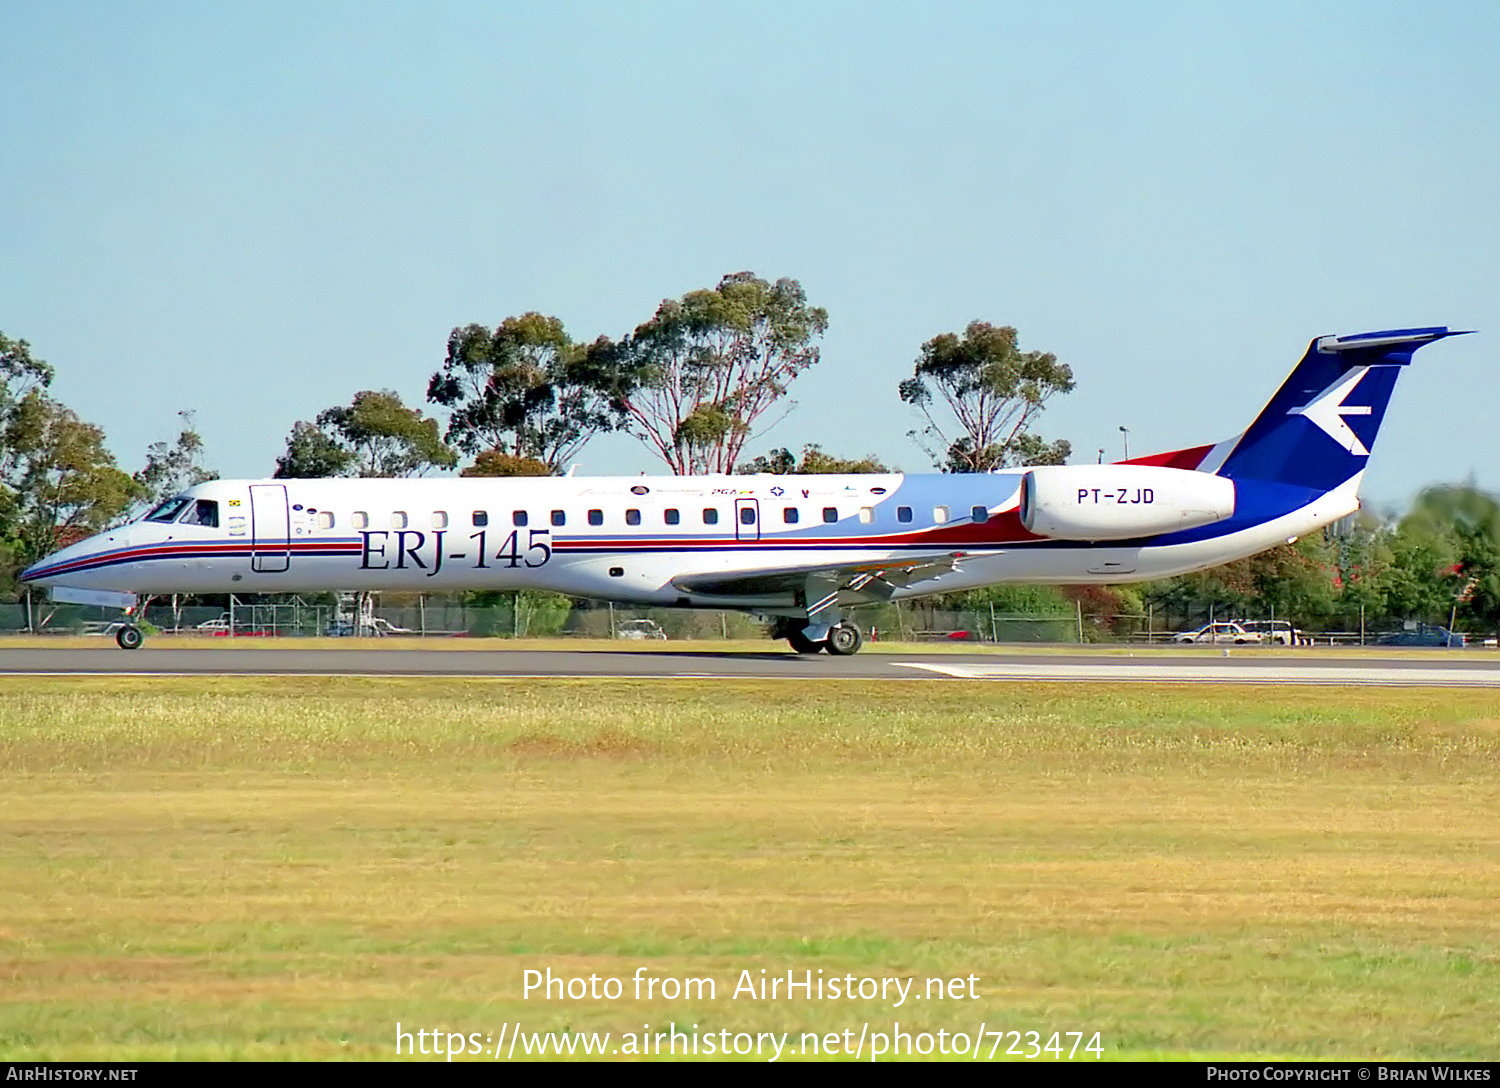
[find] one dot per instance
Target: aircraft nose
(44, 571)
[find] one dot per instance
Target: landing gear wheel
(801, 643)
(845, 639)
(129, 637)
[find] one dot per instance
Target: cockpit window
(202, 512)
(168, 510)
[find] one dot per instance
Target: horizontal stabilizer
(1371, 341)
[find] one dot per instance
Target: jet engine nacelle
(1120, 502)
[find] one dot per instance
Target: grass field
(287, 868)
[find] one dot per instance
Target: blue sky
(255, 211)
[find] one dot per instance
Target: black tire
(845, 639)
(129, 637)
(801, 643)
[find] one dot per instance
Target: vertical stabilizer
(1319, 428)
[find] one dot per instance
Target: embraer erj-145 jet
(800, 550)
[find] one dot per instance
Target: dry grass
(286, 868)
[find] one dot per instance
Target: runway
(1148, 666)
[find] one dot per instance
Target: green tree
(23, 386)
(312, 453)
(170, 467)
(20, 374)
(1360, 554)
(782, 462)
(694, 382)
(65, 484)
(519, 389)
(1017, 598)
(1422, 581)
(57, 480)
(375, 435)
(496, 463)
(1450, 544)
(1298, 582)
(980, 394)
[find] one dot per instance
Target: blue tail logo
(1319, 428)
(1330, 408)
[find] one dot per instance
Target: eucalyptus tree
(696, 381)
(519, 390)
(980, 394)
(58, 481)
(814, 462)
(373, 435)
(172, 466)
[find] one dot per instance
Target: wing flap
(878, 579)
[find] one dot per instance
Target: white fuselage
(634, 538)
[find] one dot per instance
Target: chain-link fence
(527, 615)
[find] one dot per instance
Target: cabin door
(270, 524)
(747, 519)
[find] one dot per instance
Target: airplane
(800, 551)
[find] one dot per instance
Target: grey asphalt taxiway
(1165, 666)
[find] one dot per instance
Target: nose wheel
(129, 637)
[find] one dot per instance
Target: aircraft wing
(877, 579)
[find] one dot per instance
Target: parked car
(641, 629)
(1219, 632)
(1423, 635)
(1276, 632)
(220, 628)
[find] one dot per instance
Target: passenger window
(747, 515)
(596, 517)
(398, 519)
(481, 518)
(518, 518)
(980, 513)
(939, 514)
(903, 513)
(359, 519)
(325, 519)
(830, 514)
(866, 514)
(559, 517)
(632, 517)
(671, 517)
(790, 515)
(440, 519)
(710, 516)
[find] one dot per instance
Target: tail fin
(1317, 431)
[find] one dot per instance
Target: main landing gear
(129, 637)
(840, 639)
